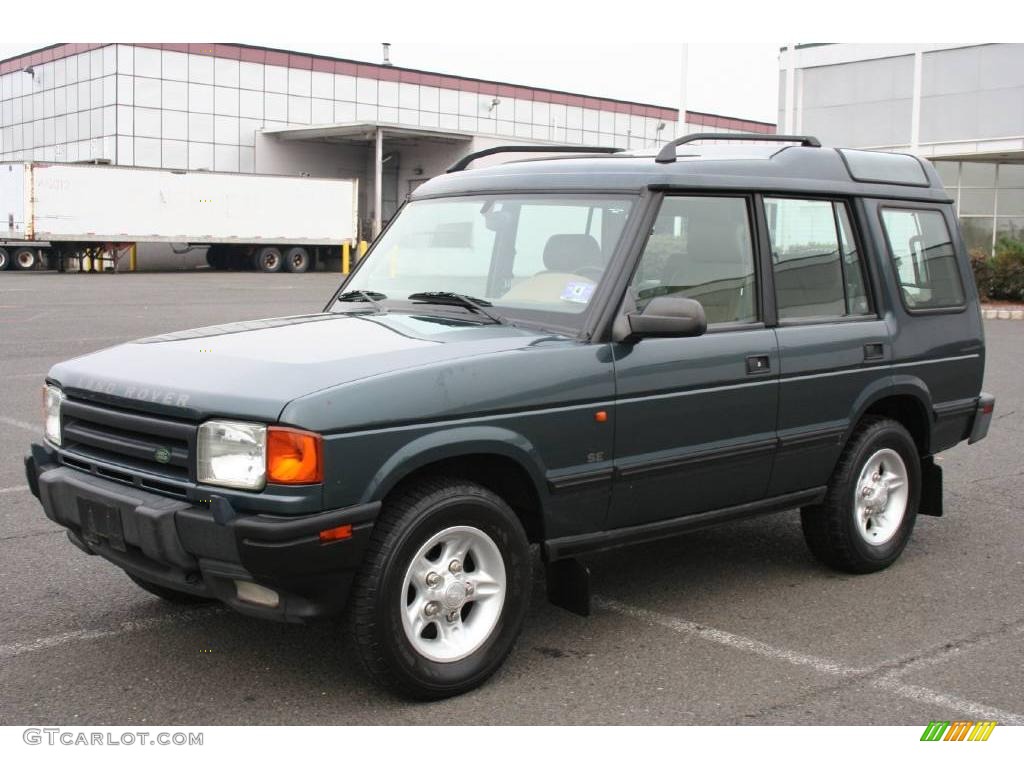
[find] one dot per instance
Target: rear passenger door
(833, 346)
(695, 417)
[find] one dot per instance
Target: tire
(5, 260)
(25, 258)
(424, 663)
(858, 527)
(296, 260)
(269, 259)
(168, 594)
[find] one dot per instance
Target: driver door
(696, 417)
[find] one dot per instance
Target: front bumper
(180, 545)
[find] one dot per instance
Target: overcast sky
(739, 80)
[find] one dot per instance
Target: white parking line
(20, 424)
(953, 703)
(684, 627)
(888, 682)
(53, 641)
(14, 489)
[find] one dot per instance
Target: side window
(701, 248)
(925, 260)
(856, 291)
(815, 261)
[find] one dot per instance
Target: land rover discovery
(581, 350)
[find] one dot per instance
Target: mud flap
(931, 488)
(569, 585)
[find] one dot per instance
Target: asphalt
(735, 625)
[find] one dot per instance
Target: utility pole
(684, 67)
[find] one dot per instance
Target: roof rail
(668, 152)
(462, 164)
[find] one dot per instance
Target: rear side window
(701, 248)
(925, 260)
(814, 258)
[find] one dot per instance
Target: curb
(1002, 314)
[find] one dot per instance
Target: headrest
(568, 253)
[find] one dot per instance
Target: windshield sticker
(577, 293)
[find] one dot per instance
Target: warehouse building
(962, 106)
(248, 109)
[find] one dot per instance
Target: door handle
(874, 352)
(758, 364)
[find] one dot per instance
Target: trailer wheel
(296, 259)
(269, 259)
(25, 258)
(5, 260)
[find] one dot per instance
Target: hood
(254, 369)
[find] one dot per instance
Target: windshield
(538, 257)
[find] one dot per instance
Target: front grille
(127, 446)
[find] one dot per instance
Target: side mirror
(665, 316)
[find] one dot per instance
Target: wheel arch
(503, 461)
(906, 400)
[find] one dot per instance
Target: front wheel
(444, 590)
(871, 504)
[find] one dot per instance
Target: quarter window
(816, 265)
(700, 248)
(925, 260)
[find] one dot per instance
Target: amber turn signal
(337, 534)
(294, 456)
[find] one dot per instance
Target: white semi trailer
(65, 213)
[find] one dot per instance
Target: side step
(568, 584)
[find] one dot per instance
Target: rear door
(695, 417)
(833, 344)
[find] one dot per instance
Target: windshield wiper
(370, 297)
(459, 300)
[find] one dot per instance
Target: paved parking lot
(734, 625)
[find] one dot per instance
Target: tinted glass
(700, 248)
(925, 260)
(857, 302)
(524, 254)
(805, 255)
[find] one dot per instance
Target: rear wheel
(5, 260)
(25, 258)
(871, 504)
(444, 589)
(168, 594)
(269, 259)
(296, 259)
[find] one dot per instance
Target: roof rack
(462, 164)
(668, 152)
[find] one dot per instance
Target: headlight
(232, 454)
(52, 399)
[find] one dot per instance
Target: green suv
(581, 350)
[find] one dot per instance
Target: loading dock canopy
(363, 132)
(366, 132)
